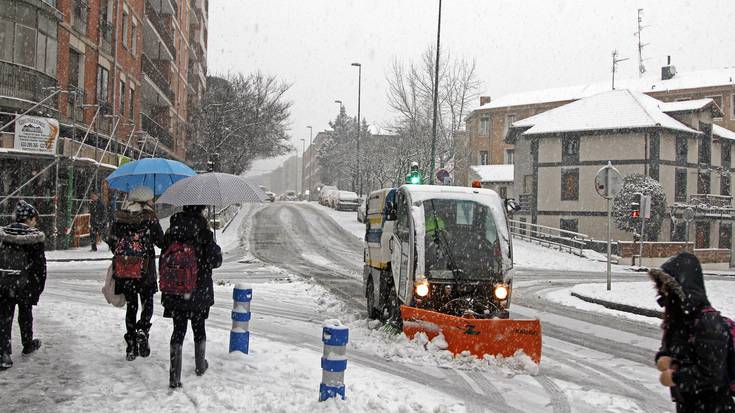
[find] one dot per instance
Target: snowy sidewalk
(633, 299)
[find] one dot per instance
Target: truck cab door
(401, 248)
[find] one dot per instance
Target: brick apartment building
(122, 76)
(487, 126)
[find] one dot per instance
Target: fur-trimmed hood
(135, 218)
(21, 234)
(680, 282)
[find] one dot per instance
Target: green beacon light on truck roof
(414, 178)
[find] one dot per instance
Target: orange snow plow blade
(478, 336)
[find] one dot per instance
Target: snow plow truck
(439, 260)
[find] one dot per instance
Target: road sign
(608, 181)
(689, 214)
(442, 175)
(646, 206)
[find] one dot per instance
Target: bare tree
(241, 119)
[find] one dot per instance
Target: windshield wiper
(441, 241)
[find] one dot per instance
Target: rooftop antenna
(641, 45)
(615, 61)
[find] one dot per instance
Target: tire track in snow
(559, 401)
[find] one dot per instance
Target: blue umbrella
(155, 173)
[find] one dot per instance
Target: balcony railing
(25, 83)
(150, 69)
(160, 27)
(157, 131)
(710, 200)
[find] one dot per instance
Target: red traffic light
(635, 214)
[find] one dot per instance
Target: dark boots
(200, 349)
(174, 380)
(144, 349)
(5, 361)
(31, 347)
(131, 352)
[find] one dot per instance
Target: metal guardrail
(720, 201)
(563, 240)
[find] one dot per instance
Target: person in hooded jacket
(22, 237)
(692, 359)
(190, 227)
(138, 215)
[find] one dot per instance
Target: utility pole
(311, 157)
(436, 95)
(615, 62)
(359, 87)
(641, 45)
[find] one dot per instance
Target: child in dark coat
(694, 347)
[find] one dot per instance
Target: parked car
(346, 201)
(271, 196)
(324, 194)
(288, 196)
(362, 210)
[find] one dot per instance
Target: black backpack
(14, 267)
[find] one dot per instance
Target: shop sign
(36, 134)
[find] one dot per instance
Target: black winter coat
(191, 228)
(128, 222)
(696, 341)
(97, 214)
(31, 241)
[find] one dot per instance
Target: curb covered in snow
(620, 307)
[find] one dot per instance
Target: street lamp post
(359, 87)
(311, 157)
(340, 104)
(303, 151)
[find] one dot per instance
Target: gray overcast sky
(518, 45)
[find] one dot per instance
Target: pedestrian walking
(696, 341)
(22, 279)
(186, 265)
(97, 219)
(133, 235)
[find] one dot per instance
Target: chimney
(668, 71)
(484, 100)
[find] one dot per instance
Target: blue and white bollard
(334, 360)
(240, 333)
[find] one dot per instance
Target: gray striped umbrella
(212, 188)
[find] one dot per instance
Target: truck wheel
(372, 312)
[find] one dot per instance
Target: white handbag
(108, 290)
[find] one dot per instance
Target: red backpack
(129, 255)
(731, 347)
(178, 269)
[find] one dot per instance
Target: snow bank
(345, 219)
(640, 294)
(527, 254)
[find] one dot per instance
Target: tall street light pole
(340, 104)
(303, 151)
(359, 86)
(436, 95)
(311, 157)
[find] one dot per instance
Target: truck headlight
(422, 288)
(501, 292)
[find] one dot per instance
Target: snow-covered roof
(493, 173)
(687, 80)
(686, 105)
(617, 109)
(718, 130)
(375, 129)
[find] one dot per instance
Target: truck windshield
(461, 240)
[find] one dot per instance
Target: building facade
(487, 126)
(675, 143)
(118, 77)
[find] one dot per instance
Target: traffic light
(414, 177)
(635, 210)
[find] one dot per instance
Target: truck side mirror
(511, 205)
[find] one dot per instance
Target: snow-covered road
(305, 268)
(591, 362)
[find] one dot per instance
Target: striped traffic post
(334, 360)
(240, 333)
